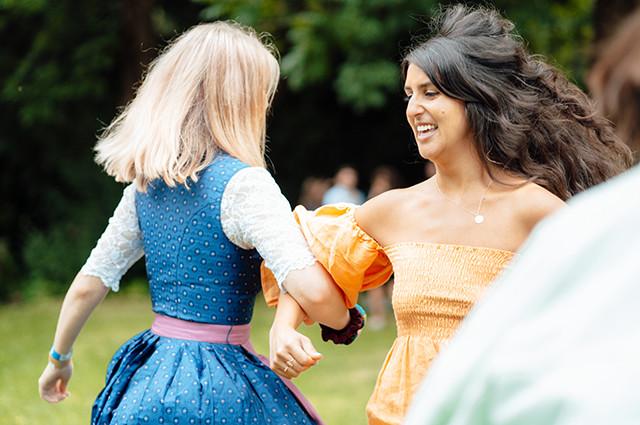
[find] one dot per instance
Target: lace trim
(120, 245)
(255, 214)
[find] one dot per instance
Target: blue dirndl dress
(196, 274)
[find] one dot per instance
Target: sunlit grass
(338, 386)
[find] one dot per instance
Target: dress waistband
(203, 332)
(222, 334)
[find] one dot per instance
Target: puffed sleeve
(354, 259)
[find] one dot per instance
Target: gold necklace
(477, 217)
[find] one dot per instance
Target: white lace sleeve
(255, 214)
(120, 246)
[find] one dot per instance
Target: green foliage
(60, 69)
(354, 43)
(357, 44)
(366, 85)
(561, 31)
(54, 257)
(340, 61)
(56, 86)
(50, 76)
(8, 272)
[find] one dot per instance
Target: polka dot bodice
(195, 272)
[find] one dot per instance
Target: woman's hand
(53, 382)
(291, 353)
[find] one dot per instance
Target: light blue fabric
(339, 194)
(556, 340)
(195, 274)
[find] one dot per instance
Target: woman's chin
(428, 151)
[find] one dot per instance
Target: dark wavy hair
(525, 114)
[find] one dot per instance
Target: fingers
(311, 351)
(61, 387)
(52, 393)
(288, 368)
(300, 353)
(293, 358)
(52, 385)
(286, 372)
(296, 358)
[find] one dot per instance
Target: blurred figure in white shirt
(345, 188)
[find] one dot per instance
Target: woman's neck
(462, 175)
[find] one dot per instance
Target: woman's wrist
(59, 360)
(350, 332)
(288, 312)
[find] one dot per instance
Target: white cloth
(556, 340)
(254, 214)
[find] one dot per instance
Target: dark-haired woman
(511, 139)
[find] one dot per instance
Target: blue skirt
(160, 380)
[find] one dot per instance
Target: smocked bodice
(195, 272)
(436, 284)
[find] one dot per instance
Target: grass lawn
(338, 386)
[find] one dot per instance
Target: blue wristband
(60, 357)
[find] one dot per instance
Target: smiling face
(439, 122)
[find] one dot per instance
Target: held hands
(291, 353)
(53, 382)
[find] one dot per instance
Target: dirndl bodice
(197, 277)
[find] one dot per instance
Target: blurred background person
(312, 192)
(556, 342)
(383, 178)
(345, 188)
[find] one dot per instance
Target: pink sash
(221, 334)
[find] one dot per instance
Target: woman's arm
(290, 353)
(85, 293)
(255, 214)
(117, 249)
(316, 293)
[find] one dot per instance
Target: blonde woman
(204, 212)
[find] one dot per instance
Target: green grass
(339, 386)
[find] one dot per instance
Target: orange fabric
(435, 286)
(355, 261)
(270, 288)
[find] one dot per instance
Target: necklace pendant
(479, 218)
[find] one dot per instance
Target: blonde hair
(208, 91)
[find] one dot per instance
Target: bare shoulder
(378, 214)
(535, 203)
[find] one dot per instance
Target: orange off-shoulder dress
(435, 286)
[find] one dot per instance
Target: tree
(66, 67)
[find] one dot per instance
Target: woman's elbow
(320, 294)
(87, 288)
(313, 287)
